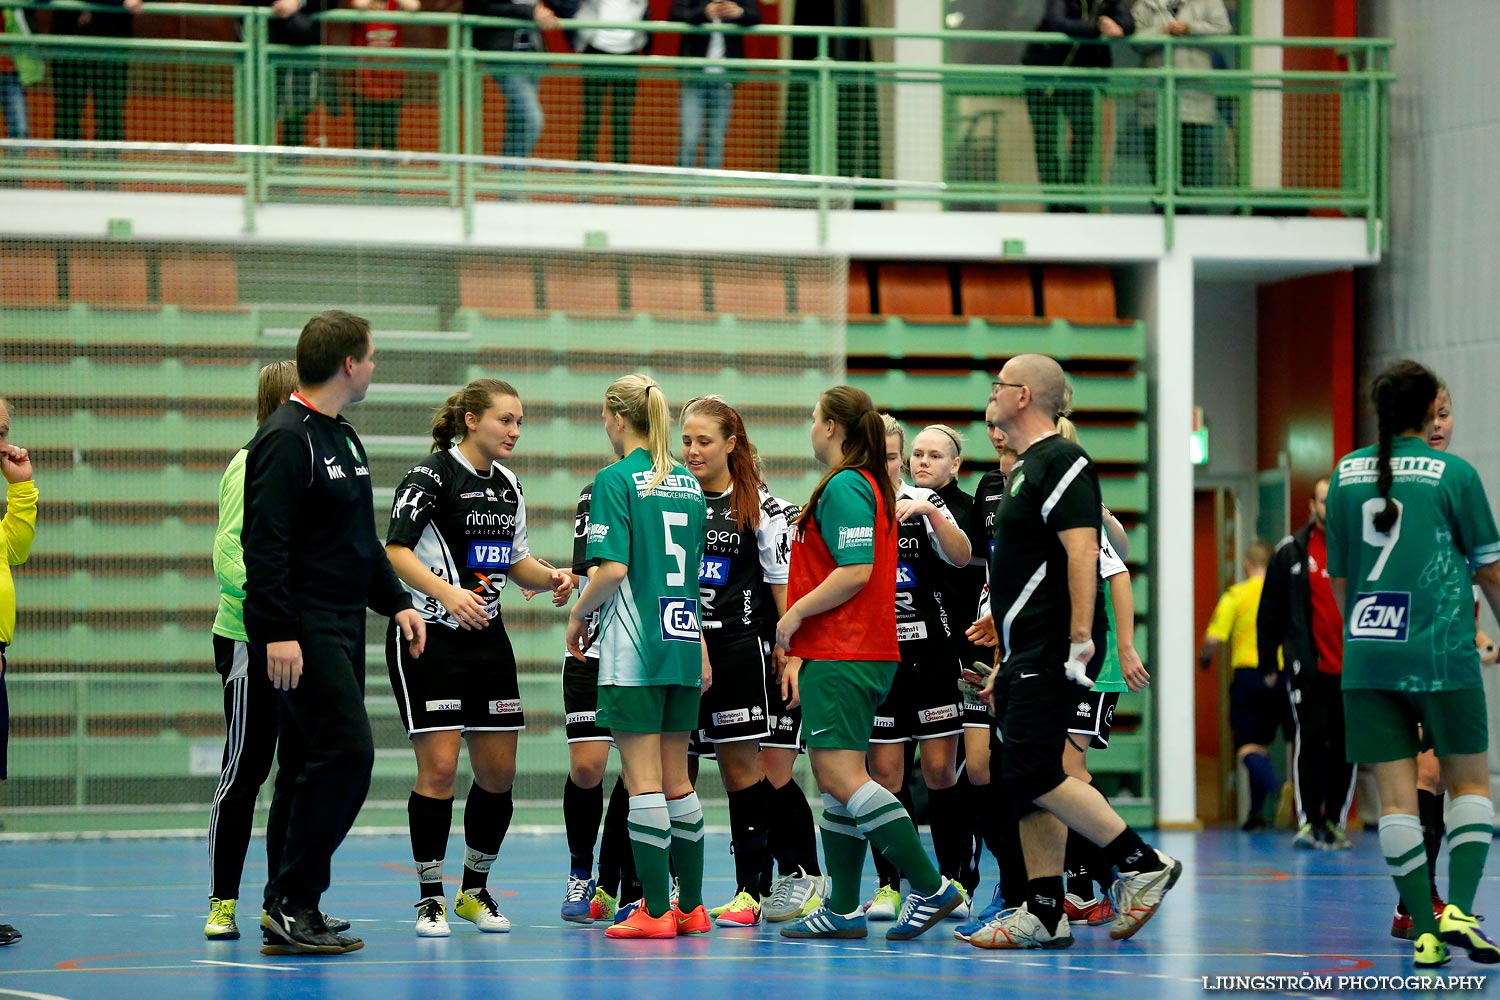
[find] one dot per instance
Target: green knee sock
(890, 831)
(844, 854)
(1470, 821)
(650, 838)
(1406, 860)
(687, 850)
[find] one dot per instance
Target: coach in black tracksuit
(313, 562)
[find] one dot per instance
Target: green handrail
(459, 70)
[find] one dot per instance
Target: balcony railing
(1259, 138)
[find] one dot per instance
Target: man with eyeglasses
(1044, 575)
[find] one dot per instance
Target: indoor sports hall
(1222, 218)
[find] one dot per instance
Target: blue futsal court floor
(120, 919)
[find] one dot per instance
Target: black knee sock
(749, 825)
(1044, 898)
(794, 836)
(582, 810)
(1430, 810)
(1129, 853)
(486, 819)
(1262, 781)
(429, 820)
(1076, 868)
(971, 812)
(952, 837)
(616, 863)
(1004, 832)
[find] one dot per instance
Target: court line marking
(29, 996)
(245, 965)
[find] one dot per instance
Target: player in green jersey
(646, 530)
(1409, 527)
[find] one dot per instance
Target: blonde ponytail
(640, 400)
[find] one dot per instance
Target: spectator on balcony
(705, 98)
(519, 85)
(617, 83)
(18, 69)
(377, 93)
(1197, 109)
(1052, 102)
(299, 84)
(97, 73)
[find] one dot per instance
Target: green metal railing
(1283, 140)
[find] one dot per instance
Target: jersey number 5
(1384, 542)
(670, 519)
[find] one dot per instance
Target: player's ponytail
(1404, 395)
(864, 444)
(744, 461)
(641, 402)
(448, 421)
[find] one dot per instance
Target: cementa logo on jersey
(489, 553)
(679, 619)
(1383, 616)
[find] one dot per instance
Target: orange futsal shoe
(696, 922)
(641, 924)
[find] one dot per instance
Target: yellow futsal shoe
(221, 925)
(1431, 952)
(1456, 927)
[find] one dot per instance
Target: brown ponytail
(864, 444)
(448, 424)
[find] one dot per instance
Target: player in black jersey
(936, 456)
(457, 535)
(586, 898)
(742, 591)
(1043, 588)
(922, 705)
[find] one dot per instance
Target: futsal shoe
(641, 924)
(578, 899)
(1088, 913)
(964, 907)
(8, 935)
(920, 912)
(1020, 928)
(694, 922)
(1459, 928)
(965, 930)
(1306, 838)
(742, 911)
(1401, 922)
(626, 909)
(1334, 839)
(1137, 896)
(824, 923)
(1430, 952)
(793, 896)
(289, 929)
(432, 918)
(221, 925)
(336, 924)
(478, 907)
(885, 904)
(602, 906)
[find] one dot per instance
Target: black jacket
(504, 39)
(100, 25)
(1079, 19)
(309, 531)
(302, 28)
(1284, 621)
(695, 12)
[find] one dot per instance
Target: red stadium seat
(28, 277)
(915, 291)
(208, 281)
(750, 288)
(503, 287)
(996, 291)
(114, 278)
(668, 288)
(1079, 294)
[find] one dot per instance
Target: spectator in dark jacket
(97, 73)
(1051, 104)
(706, 97)
(298, 85)
(520, 85)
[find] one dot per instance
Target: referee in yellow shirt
(1254, 710)
(17, 529)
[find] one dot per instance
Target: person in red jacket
(377, 92)
(841, 622)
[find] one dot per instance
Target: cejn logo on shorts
(679, 619)
(1382, 616)
(489, 553)
(507, 707)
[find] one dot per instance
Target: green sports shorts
(656, 708)
(1382, 726)
(839, 698)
